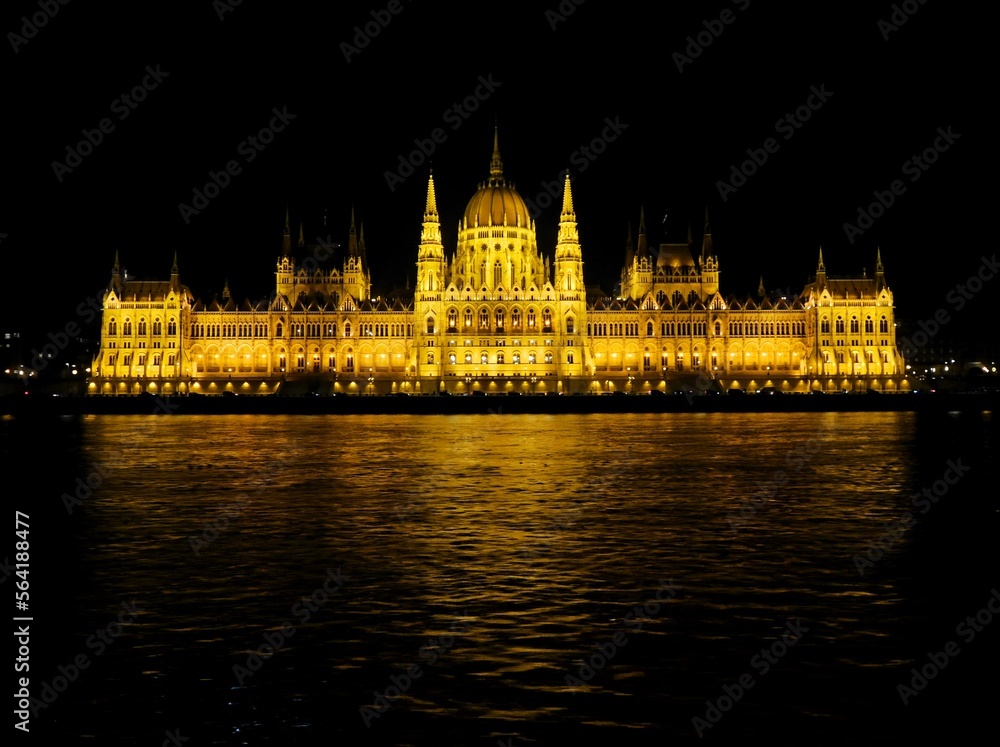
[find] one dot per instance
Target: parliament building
(496, 313)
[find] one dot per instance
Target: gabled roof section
(145, 290)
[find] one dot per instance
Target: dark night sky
(353, 120)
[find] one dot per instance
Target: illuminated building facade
(497, 315)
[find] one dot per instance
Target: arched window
(854, 325)
(499, 318)
(569, 357)
(531, 318)
(430, 357)
(347, 329)
(532, 359)
(548, 357)
(649, 329)
(517, 359)
(278, 330)
(718, 328)
(883, 325)
(484, 358)
(157, 327)
(430, 325)
(468, 357)
(127, 327)
(484, 319)
(824, 326)
(569, 326)
(113, 327)
(452, 318)
(142, 327)
(497, 274)
(869, 326)
(500, 358)
(452, 358)
(840, 325)
(468, 317)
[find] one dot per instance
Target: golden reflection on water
(526, 539)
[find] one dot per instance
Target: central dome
(496, 203)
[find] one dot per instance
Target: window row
(141, 327)
(883, 325)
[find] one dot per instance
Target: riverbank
(444, 405)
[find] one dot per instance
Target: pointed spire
(707, 249)
(173, 267)
(642, 250)
(225, 290)
(496, 164)
(760, 288)
(286, 238)
(878, 260)
(116, 268)
(352, 239)
(302, 234)
(567, 207)
(820, 267)
(431, 211)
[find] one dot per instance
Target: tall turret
(569, 256)
(430, 255)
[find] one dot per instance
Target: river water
(508, 579)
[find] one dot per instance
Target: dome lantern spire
(496, 163)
